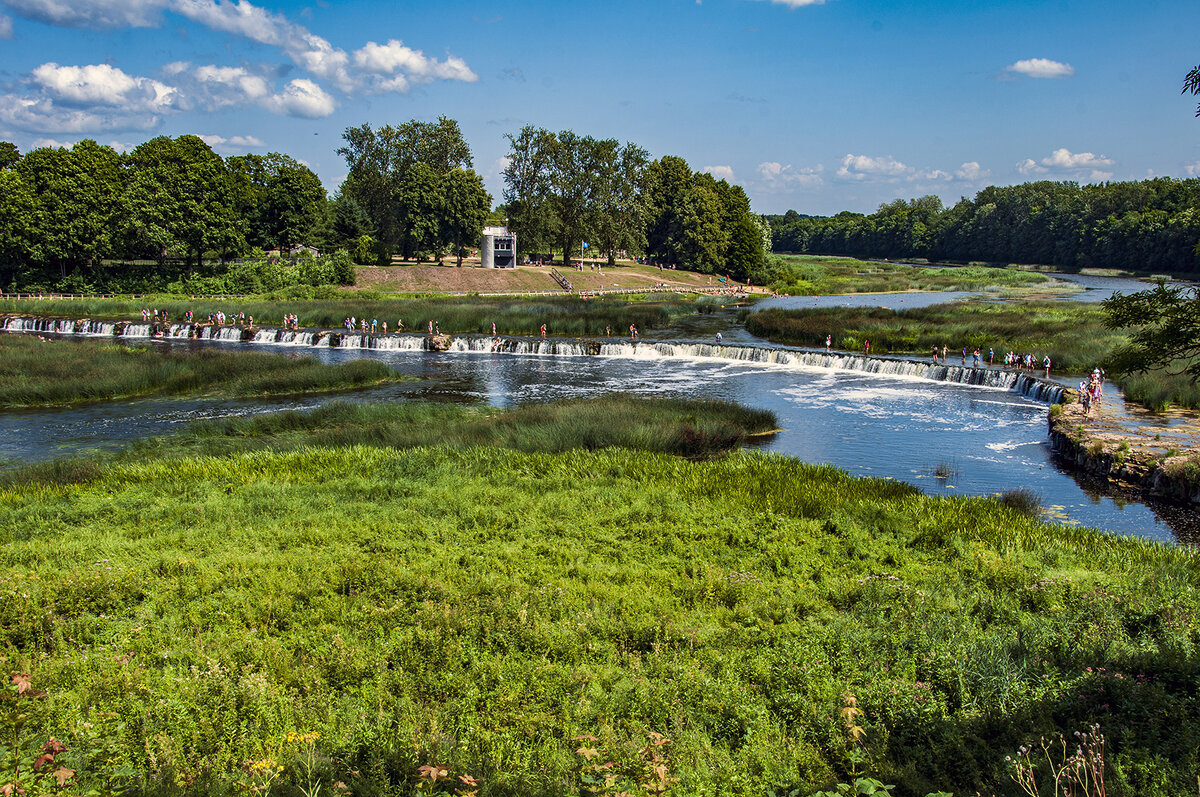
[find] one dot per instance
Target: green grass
(1073, 334)
(474, 314)
(479, 608)
(36, 372)
(684, 427)
(811, 275)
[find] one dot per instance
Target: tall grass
(568, 315)
(810, 275)
(480, 609)
(683, 427)
(1071, 333)
(36, 372)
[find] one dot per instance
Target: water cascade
(999, 378)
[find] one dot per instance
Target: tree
(619, 221)
(16, 222)
(465, 206)
(1165, 324)
(527, 188)
(76, 193)
(292, 203)
(386, 184)
(9, 155)
(1191, 85)
(180, 197)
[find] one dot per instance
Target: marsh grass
(37, 372)
(810, 275)
(683, 427)
(479, 609)
(1072, 333)
(567, 315)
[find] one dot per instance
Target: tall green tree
(180, 198)
(384, 182)
(16, 223)
(527, 188)
(464, 210)
(76, 197)
(619, 212)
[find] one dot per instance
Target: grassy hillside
(371, 616)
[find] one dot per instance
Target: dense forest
(1149, 226)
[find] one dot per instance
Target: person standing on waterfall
(828, 343)
(867, 347)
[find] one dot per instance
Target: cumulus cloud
(396, 58)
(721, 172)
(302, 97)
(1192, 169)
(376, 68)
(778, 176)
(864, 167)
(233, 143)
(5, 27)
(103, 85)
(42, 115)
(1062, 160)
(971, 172)
(1041, 68)
(96, 14)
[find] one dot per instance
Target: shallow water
(946, 438)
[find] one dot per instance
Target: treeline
(174, 215)
(582, 195)
(170, 211)
(1148, 225)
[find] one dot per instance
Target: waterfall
(999, 378)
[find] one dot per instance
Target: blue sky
(816, 106)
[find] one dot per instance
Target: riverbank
(1157, 460)
(355, 613)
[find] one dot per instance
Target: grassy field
(565, 315)
(812, 275)
(37, 372)
(371, 616)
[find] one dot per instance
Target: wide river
(945, 437)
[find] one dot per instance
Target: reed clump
(39, 372)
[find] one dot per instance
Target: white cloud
(798, 3)
(91, 13)
(1030, 166)
(971, 172)
(5, 27)
(1193, 168)
(41, 115)
(931, 174)
(232, 144)
(1062, 160)
(1041, 68)
(378, 68)
(302, 97)
(103, 85)
(394, 57)
(777, 176)
(864, 167)
(721, 172)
